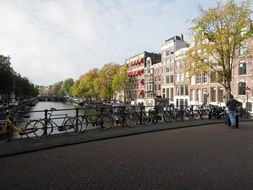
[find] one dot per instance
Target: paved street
(205, 157)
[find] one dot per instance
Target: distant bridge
(51, 99)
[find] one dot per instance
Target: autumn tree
(120, 82)
(103, 83)
(87, 84)
(67, 84)
(75, 89)
(55, 89)
(218, 32)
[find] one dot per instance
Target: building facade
(140, 73)
(166, 76)
(168, 50)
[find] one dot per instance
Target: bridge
(51, 99)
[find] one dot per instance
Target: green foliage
(12, 83)
(103, 83)
(100, 84)
(67, 84)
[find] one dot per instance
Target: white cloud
(51, 40)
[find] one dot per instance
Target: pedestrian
(232, 104)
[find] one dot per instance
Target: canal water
(38, 112)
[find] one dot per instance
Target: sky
(53, 40)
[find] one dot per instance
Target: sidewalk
(18, 146)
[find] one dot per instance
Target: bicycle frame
(10, 124)
(94, 122)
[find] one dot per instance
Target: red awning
(141, 92)
(141, 81)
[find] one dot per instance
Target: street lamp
(247, 98)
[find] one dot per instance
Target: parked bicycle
(8, 127)
(124, 117)
(96, 116)
(69, 124)
(155, 115)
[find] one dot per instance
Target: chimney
(182, 37)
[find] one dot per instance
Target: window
(172, 94)
(167, 92)
(242, 50)
(177, 91)
(164, 93)
(242, 88)
(204, 78)
(167, 79)
(213, 77)
(186, 90)
(171, 78)
(178, 77)
(242, 68)
(198, 79)
(182, 76)
(178, 65)
(181, 90)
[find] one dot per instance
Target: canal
(38, 112)
(41, 106)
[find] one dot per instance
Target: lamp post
(247, 98)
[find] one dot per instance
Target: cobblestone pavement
(205, 157)
(17, 146)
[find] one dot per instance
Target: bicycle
(8, 126)
(70, 124)
(97, 119)
(123, 117)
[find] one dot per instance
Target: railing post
(141, 114)
(77, 116)
(77, 112)
(46, 121)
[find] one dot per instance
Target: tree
(87, 84)
(55, 89)
(120, 82)
(6, 78)
(103, 83)
(218, 32)
(67, 84)
(75, 91)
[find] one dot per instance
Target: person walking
(232, 105)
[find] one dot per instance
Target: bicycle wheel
(5, 133)
(167, 117)
(34, 129)
(84, 123)
(132, 120)
(147, 120)
(107, 122)
(72, 126)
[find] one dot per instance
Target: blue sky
(52, 40)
